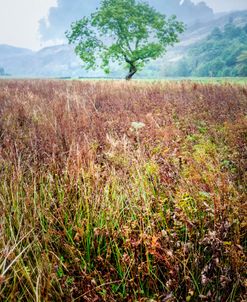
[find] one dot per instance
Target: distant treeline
(2, 72)
(223, 53)
(89, 77)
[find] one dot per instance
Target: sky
(19, 19)
(225, 5)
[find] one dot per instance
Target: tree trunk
(132, 71)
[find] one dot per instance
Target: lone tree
(120, 31)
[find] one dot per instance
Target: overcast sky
(19, 19)
(225, 5)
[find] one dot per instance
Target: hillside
(217, 55)
(50, 61)
(7, 51)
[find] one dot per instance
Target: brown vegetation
(94, 209)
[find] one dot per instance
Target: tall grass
(94, 209)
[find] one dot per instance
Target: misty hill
(186, 11)
(54, 61)
(217, 55)
(61, 61)
(200, 30)
(50, 61)
(7, 51)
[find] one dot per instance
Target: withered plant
(115, 191)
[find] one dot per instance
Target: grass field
(204, 80)
(117, 191)
(231, 80)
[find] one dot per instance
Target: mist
(61, 16)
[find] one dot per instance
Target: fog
(34, 24)
(60, 17)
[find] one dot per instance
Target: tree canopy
(123, 31)
(242, 63)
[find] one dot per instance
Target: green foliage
(221, 54)
(242, 63)
(123, 31)
(217, 55)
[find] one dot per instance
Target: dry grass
(93, 210)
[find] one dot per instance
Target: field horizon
(211, 80)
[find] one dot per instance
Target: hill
(7, 51)
(216, 55)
